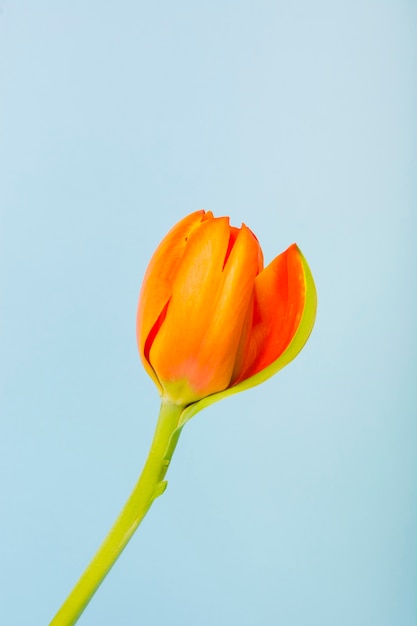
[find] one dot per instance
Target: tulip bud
(211, 319)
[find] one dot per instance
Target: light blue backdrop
(293, 504)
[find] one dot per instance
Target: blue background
(294, 503)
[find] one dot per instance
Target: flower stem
(149, 486)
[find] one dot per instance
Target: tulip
(212, 320)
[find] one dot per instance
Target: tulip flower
(212, 321)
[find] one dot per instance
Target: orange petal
(278, 307)
(199, 337)
(157, 284)
(220, 347)
(297, 343)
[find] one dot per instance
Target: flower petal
(198, 339)
(157, 284)
(296, 344)
(278, 306)
(220, 347)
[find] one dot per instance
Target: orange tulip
(211, 319)
(211, 322)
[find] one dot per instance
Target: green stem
(149, 486)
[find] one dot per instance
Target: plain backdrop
(294, 503)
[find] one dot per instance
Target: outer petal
(298, 340)
(279, 303)
(157, 284)
(222, 340)
(195, 348)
